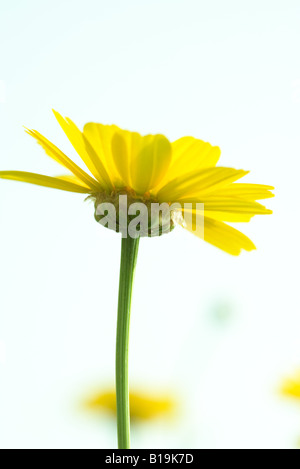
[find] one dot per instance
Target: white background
(219, 333)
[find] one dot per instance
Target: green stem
(128, 262)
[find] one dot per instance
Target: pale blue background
(218, 332)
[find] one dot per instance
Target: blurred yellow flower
(291, 386)
(150, 168)
(143, 406)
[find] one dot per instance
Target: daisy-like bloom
(151, 169)
(291, 386)
(143, 407)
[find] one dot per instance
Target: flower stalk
(129, 253)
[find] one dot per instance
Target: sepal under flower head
(135, 216)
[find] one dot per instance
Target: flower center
(135, 216)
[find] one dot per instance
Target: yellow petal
(117, 148)
(61, 158)
(199, 183)
(224, 237)
(150, 162)
(73, 179)
(236, 206)
(100, 138)
(191, 154)
(245, 191)
(124, 147)
(46, 181)
(85, 150)
(229, 217)
(223, 216)
(229, 205)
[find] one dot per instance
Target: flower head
(150, 169)
(143, 406)
(291, 386)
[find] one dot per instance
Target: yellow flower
(142, 406)
(291, 386)
(150, 168)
